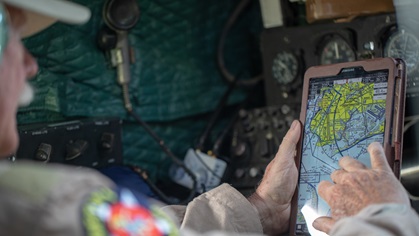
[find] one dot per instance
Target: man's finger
(349, 164)
(287, 149)
(324, 224)
(290, 140)
(337, 176)
(324, 190)
(378, 157)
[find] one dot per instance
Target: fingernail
(374, 145)
(315, 224)
(294, 124)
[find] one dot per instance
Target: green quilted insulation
(174, 77)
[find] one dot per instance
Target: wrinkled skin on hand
(272, 198)
(355, 187)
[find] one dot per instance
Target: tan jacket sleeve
(222, 209)
(380, 220)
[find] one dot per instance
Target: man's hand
(356, 187)
(272, 198)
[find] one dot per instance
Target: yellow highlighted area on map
(340, 104)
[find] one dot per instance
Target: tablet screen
(345, 113)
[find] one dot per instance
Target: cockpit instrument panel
(285, 67)
(402, 43)
(288, 51)
(336, 49)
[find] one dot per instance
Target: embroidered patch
(123, 213)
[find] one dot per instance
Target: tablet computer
(345, 107)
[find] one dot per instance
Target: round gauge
(336, 50)
(404, 45)
(285, 67)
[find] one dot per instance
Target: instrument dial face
(285, 67)
(404, 45)
(336, 50)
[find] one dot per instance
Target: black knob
(258, 112)
(43, 152)
(240, 149)
(107, 141)
(76, 149)
(264, 148)
(279, 124)
(243, 114)
(273, 112)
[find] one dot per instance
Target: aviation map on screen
(345, 113)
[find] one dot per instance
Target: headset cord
(166, 150)
(221, 104)
(123, 80)
(220, 49)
